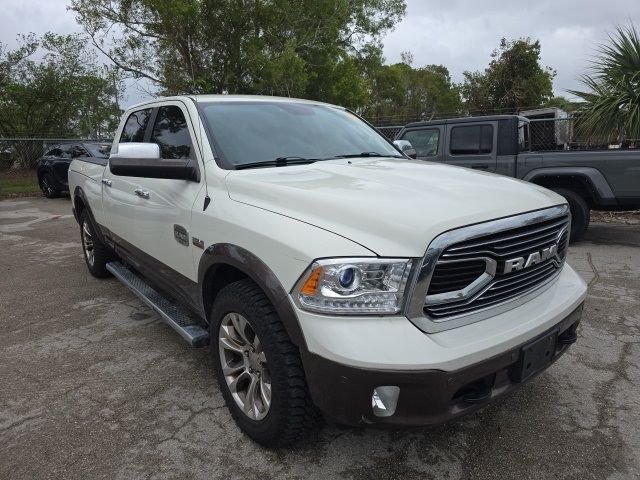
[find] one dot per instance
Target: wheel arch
(586, 181)
(225, 263)
(80, 205)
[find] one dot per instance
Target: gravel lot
(94, 385)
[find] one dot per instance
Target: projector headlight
(350, 286)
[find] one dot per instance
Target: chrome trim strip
(419, 287)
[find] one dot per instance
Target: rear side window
(66, 150)
(135, 127)
(171, 133)
(54, 152)
(471, 140)
(425, 142)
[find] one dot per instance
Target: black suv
(53, 166)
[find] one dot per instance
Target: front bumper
(344, 393)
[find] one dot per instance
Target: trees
(513, 81)
(309, 48)
(65, 93)
(401, 94)
(611, 108)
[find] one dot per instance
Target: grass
(15, 183)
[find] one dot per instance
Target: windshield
(98, 150)
(255, 132)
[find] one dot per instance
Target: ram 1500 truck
(332, 276)
(588, 179)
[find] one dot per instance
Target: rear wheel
(258, 368)
(47, 186)
(96, 253)
(580, 212)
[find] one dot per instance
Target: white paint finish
(89, 176)
(393, 207)
(395, 343)
(287, 246)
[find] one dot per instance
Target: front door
(163, 226)
(426, 141)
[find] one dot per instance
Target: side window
(66, 150)
(135, 127)
(171, 133)
(471, 140)
(54, 152)
(425, 142)
(78, 151)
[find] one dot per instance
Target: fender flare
(592, 176)
(78, 192)
(226, 254)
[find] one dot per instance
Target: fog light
(384, 400)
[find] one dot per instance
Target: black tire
(580, 213)
(291, 416)
(47, 183)
(101, 254)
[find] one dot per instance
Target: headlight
(353, 286)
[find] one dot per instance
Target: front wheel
(258, 368)
(96, 253)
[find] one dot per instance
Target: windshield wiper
(367, 154)
(278, 162)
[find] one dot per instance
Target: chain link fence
(390, 131)
(18, 162)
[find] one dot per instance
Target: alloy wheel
(87, 243)
(244, 366)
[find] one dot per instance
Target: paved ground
(94, 385)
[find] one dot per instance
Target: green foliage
(514, 80)
(402, 93)
(65, 93)
(563, 103)
(309, 48)
(611, 108)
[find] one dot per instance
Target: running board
(177, 317)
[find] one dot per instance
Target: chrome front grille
(469, 272)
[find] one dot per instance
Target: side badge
(197, 242)
(181, 235)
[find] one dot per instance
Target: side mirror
(405, 147)
(143, 160)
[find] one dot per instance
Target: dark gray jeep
(588, 179)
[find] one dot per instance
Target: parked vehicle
(53, 166)
(330, 274)
(598, 179)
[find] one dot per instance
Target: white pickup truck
(331, 275)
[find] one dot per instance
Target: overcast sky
(459, 34)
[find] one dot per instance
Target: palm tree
(611, 108)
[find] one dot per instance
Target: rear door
(120, 201)
(426, 141)
(164, 224)
(472, 145)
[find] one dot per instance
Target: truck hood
(392, 207)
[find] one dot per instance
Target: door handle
(480, 166)
(141, 193)
(107, 182)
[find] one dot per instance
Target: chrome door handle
(141, 193)
(107, 182)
